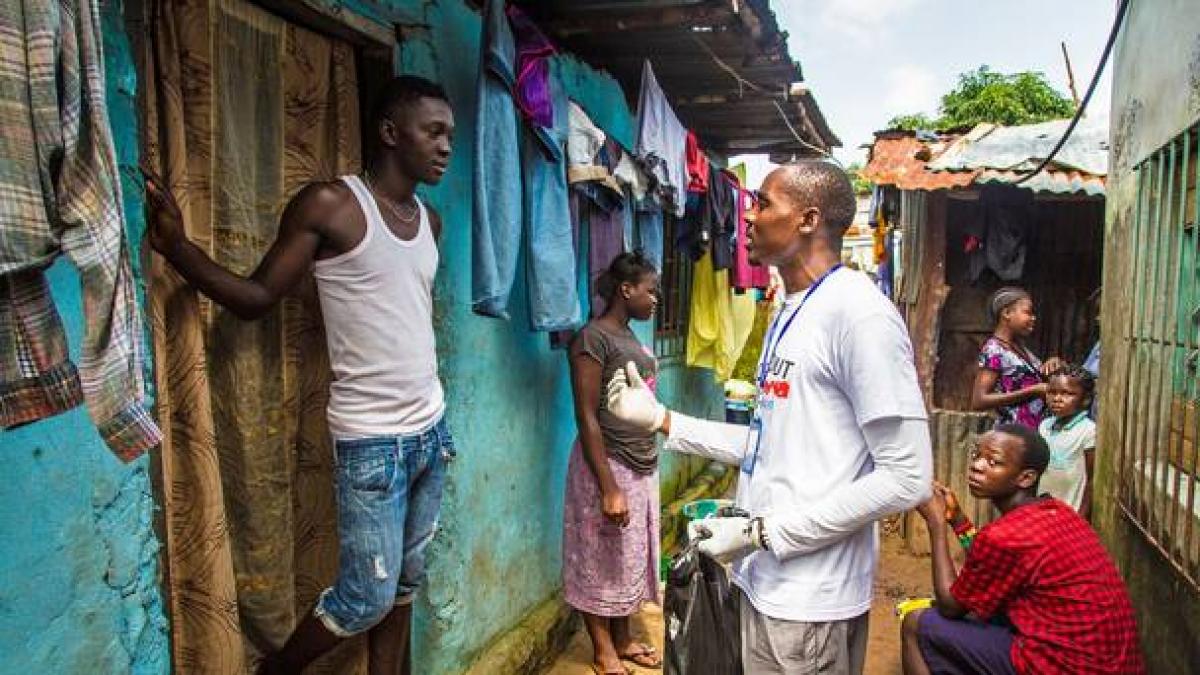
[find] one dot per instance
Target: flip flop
(622, 671)
(646, 656)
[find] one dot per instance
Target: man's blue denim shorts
(389, 492)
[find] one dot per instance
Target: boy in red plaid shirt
(1039, 565)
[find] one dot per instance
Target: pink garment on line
(744, 275)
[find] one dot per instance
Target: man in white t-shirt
(839, 440)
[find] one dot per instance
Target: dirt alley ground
(901, 575)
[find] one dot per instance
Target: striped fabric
(61, 194)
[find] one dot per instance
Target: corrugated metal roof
(901, 160)
(1050, 180)
(992, 154)
(1022, 148)
(696, 48)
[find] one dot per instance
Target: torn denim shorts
(389, 492)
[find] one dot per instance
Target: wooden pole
(1070, 75)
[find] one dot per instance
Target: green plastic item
(704, 508)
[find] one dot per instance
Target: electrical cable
(1112, 38)
(764, 90)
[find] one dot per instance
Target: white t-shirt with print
(845, 361)
(1066, 476)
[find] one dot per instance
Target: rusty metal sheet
(907, 162)
(902, 161)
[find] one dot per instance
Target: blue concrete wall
(78, 553)
(498, 554)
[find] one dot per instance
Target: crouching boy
(1039, 566)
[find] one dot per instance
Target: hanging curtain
(241, 110)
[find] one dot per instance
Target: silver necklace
(391, 205)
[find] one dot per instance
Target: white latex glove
(632, 401)
(727, 539)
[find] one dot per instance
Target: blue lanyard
(772, 343)
(769, 354)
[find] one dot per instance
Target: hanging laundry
(743, 275)
(63, 196)
(605, 219)
(629, 174)
(1001, 236)
(551, 252)
(721, 218)
(719, 323)
(600, 199)
(691, 235)
(532, 88)
(662, 142)
(647, 212)
(747, 365)
(587, 158)
(521, 195)
(584, 140)
(697, 165)
(877, 221)
(649, 225)
(1004, 244)
(610, 156)
(497, 219)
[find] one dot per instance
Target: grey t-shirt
(633, 447)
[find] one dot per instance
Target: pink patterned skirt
(609, 570)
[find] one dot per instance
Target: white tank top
(377, 300)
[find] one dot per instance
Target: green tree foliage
(912, 122)
(862, 186)
(984, 95)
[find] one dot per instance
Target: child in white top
(1071, 435)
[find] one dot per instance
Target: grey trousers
(772, 646)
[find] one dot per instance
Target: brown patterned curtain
(241, 109)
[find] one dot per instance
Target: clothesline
(744, 82)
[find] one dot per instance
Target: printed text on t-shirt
(776, 385)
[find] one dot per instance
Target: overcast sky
(867, 61)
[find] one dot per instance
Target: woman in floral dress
(1010, 379)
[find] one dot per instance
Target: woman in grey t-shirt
(610, 516)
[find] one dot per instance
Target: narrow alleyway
(901, 575)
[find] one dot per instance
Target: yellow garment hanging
(879, 235)
(720, 321)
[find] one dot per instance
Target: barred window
(1158, 445)
(675, 296)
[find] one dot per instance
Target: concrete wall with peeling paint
(78, 552)
(77, 547)
(1156, 95)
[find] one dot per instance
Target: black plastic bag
(701, 612)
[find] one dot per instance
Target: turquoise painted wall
(78, 553)
(498, 554)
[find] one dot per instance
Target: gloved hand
(727, 539)
(632, 401)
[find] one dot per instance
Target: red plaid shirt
(1043, 567)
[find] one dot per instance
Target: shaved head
(821, 184)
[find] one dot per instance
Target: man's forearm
(944, 573)
(900, 480)
(244, 297)
(722, 442)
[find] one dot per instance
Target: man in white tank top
(371, 245)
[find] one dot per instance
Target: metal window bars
(1158, 453)
(675, 289)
